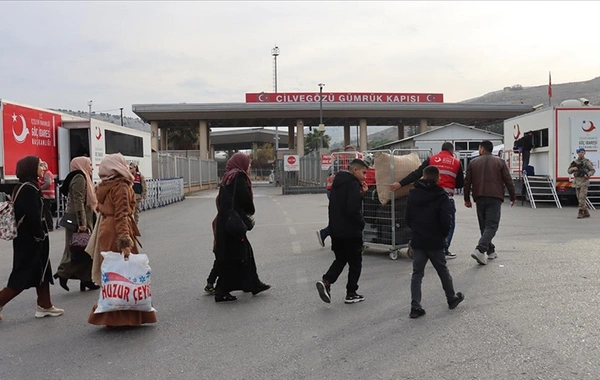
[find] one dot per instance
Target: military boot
(586, 213)
(580, 214)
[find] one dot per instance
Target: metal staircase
(593, 196)
(540, 188)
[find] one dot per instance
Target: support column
(212, 152)
(346, 135)
(291, 138)
(363, 134)
(203, 138)
(154, 135)
(164, 138)
(401, 132)
(300, 134)
(423, 126)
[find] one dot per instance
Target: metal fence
(309, 179)
(193, 170)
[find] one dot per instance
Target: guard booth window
(461, 145)
(127, 145)
(540, 138)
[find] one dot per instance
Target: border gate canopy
(268, 114)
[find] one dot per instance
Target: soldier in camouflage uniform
(582, 169)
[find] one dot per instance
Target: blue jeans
(452, 225)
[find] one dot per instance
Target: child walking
(346, 224)
(428, 215)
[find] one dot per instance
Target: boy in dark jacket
(346, 224)
(428, 215)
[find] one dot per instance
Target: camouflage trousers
(136, 211)
(581, 192)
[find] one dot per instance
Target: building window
(540, 138)
(127, 145)
(474, 145)
(461, 145)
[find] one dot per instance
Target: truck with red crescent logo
(558, 132)
(57, 138)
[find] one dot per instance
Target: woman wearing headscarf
(235, 259)
(116, 232)
(31, 249)
(81, 202)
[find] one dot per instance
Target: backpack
(8, 222)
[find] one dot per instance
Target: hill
(517, 94)
(130, 122)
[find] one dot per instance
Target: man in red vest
(451, 177)
(46, 183)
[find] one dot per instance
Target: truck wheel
(394, 254)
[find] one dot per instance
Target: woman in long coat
(235, 259)
(31, 249)
(116, 232)
(81, 201)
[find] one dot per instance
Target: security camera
(584, 101)
(538, 106)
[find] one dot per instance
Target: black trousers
(48, 213)
(347, 251)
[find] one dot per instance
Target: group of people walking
(105, 211)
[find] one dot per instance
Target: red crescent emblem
(98, 133)
(516, 126)
(591, 128)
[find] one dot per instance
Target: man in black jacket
(428, 215)
(346, 224)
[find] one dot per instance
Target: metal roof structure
(245, 138)
(286, 114)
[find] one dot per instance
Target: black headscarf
(27, 169)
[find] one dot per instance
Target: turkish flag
(549, 84)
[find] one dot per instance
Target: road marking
(292, 231)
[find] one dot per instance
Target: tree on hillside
(312, 141)
(183, 138)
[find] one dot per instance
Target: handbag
(69, 221)
(77, 245)
(235, 223)
(8, 222)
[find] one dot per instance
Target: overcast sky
(62, 54)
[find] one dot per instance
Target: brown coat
(486, 177)
(116, 204)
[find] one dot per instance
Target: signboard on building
(325, 161)
(291, 163)
(585, 134)
(343, 97)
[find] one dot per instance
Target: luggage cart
(385, 228)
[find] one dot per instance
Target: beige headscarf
(114, 166)
(85, 165)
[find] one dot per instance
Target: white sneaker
(51, 312)
(481, 258)
(492, 256)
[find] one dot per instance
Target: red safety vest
(49, 192)
(449, 167)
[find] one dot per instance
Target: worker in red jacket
(46, 183)
(451, 178)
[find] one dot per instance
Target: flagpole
(549, 88)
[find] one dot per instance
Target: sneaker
(324, 291)
(354, 298)
(210, 288)
(492, 255)
(450, 255)
(480, 257)
(320, 238)
(51, 312)
(457, 299)
(416, 313)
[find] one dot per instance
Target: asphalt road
(530, 314)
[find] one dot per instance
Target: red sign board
(325, 161)
(291, 160)
(29, 132)
(343, 97)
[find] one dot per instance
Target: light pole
(90, 110)
(275, 54)
(321, 125)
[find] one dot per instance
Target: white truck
(57, 138)
(557, 133)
